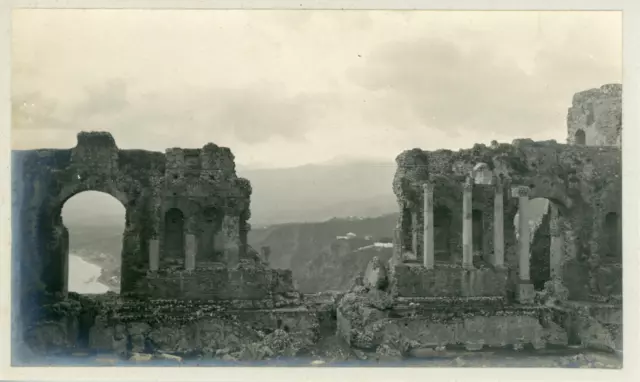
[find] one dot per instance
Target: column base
(409, 257)
(525, 292)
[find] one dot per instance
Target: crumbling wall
(584, 182)
(201, 329)
(416, 281)
(246, 281)
(148, 184)
(595, 117)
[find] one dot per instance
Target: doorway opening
(95, 222)
(539, 241)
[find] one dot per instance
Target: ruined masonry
(186, 218)
(462, 273)
(462, 269)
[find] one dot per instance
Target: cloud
(33, 111)
(250, 115)
(285, 87)
(261, 112)
(453, 86)
(108, 98)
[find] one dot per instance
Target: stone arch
(547, 240)
(540, 247)
(109, 277)
(174, 232)
(56, 235)
(580, 137)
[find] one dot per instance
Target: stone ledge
(413, 281)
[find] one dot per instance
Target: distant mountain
(325, 200)
(308, 193)
(320, 254)
(319, 192)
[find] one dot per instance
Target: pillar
(154, 255)
(525, 287)
(190, 246)
(467, 224)
(266, 252)
(556, 246)
(428, 233)
(398, 244)
(498, 224)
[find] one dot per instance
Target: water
(83, 276)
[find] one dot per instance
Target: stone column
(467, 224)
(398, 245)
(266, 252)
(525, 287)
(428, 246)
(555, 249)
(498, 224)
(154, 255)
(190, 246)
(231, 231)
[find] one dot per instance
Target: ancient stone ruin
(185, 236)
(461, 273)
(595, 118)
(461, 270)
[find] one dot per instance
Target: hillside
(319, 259)
(324, 195)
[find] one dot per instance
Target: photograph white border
(631, 194)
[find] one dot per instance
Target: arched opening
(539, 241)
(174, 237)
(580, 137)
(478, 232)
(210, 241)
(95, 222)
(442, 233)
(613, 237)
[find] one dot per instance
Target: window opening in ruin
(539, 241)
(580, 137)
(174, 237)
(478, 231)
(95, 222)
(442, 233)
(613, 236)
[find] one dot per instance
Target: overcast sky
(285, 88)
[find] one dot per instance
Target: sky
(288, 88)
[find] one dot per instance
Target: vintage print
(316, 188)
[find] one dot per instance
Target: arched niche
(211, 242)
(174, 231)
(477, 217)
(580, 137)
(612, 237)
(442, 221)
